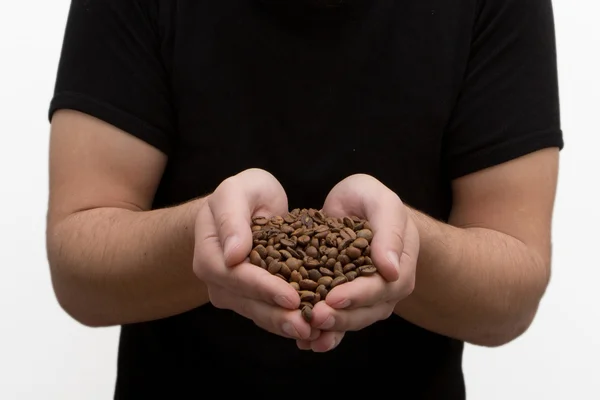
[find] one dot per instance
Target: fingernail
(289, 329)
(328, 324)
(341, 304)
(230, 244)
(394, 259)
(284, 302)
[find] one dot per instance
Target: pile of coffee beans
(312, 252)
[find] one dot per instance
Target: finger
(387, 216)
(245, 279)
(274, 319)
(326, 342)
(327, 318)
(366, 197)
(364, 291)
(236, 201)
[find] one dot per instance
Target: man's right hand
(223, 241)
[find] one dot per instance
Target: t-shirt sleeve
(508, 105)
(111, 68)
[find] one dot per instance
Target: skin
(113, 261)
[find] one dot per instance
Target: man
(176, 122)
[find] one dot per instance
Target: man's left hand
(394, 251)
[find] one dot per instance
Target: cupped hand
(394, 251)
(223, 240)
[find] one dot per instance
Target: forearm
(114, 266)
(474, 284)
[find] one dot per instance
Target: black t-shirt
(413, 92)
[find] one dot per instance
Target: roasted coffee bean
(281, 276)
(260, 221)
(367, 270)
(295, 276)
(353, 252)
(349, 267)
(306, 295)
(274, 267)
(307, 284)
(303, 273)
(274, 253)
(314, 275)
(321, 291)
(351, 275)
(293, 263)
(306, 304)
(325, 281)
(338, 281)
(344, 259)
(285, 271)
(307, 313)
(312, 263)
(255, 258)
(360, 243)
(304, 240)
(365, 234)
(314, 253)
(288, 243)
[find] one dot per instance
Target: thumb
(231, 213)
(388, 221)
(251, 193)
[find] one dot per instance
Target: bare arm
(112, 260)
(481, 277)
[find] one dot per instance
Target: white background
(44, 355)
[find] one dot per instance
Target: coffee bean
(285, 271)
(325, 281)
(312, 263)
(321, 291)
(307, 284)
(304, 240)
(365, 234)
(348, 268)
(295, 276)
(293, 263)
(306, 304)
(314, 275)
(288, 243)
(367, 270)
(274, 267)
(303, 273)
(338, 281)
(306, 295)
(314, 253)
(274, 254)
(260, 221)
(281, 276)
(343, 259)
(349, 232)
(351, 275)
(353, 252)
(360, 243)
(348, 222)
(307, 313)
(255, 258)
